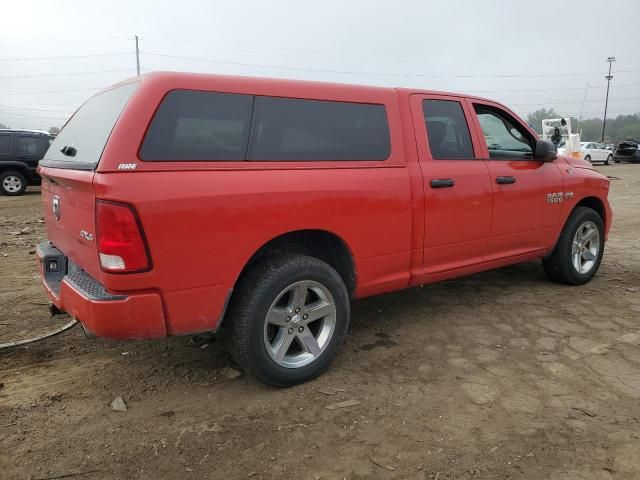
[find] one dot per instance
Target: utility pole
(606, 102)
(138, 57)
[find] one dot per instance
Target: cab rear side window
(210, 126)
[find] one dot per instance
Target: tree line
(622, 127)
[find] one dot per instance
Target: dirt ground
(500, 375)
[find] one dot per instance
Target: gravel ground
(499, 375)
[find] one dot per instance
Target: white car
(596, 152)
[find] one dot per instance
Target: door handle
(442, 182)
(505, 180)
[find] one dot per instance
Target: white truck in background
(558, 131)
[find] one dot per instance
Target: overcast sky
(527, 55)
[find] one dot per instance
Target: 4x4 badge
(86, 235)
(55, 206)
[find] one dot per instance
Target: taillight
(122, 247)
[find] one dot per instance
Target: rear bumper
(101, 313)
(634, 157)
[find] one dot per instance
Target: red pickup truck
(182, 203)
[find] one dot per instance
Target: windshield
(83, 138)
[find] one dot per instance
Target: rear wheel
(12, 183)
(288, 318)
(578, 254)
(610, 160)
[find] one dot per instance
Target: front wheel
(288, 318)
(588, 158)
(12, 183)
(578, 254)
(610, 160)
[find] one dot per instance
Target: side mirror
(545, 151)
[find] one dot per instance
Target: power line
(67, 41)
(46, 92)
(10, 107)
(25, 111)
(550, 89)
(619, 112)
(66, 74)
(39, 104)
(348, 72)
(576, 101)
(306, 51)
(25, 59)
(27, 115)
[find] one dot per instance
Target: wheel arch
(16, 167)
(321, 244)
(593, 203)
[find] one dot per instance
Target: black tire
(251, 302)
(588, 158)
(559, 266)
(14, 189)
(610, 160)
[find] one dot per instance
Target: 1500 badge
(555, 197)
(558, 197)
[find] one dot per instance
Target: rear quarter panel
(204, 226)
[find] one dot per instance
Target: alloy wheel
(12, 184)
(299, 324)
(586, 247)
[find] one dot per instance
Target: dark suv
(628, 151)
(20, 152)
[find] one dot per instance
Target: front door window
(505, 139)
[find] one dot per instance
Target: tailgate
(67, 172)
(68, 202)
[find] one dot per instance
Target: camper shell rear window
(80, 143)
